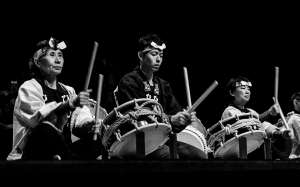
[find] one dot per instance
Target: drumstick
(187, 87)
(276, 97)
(88, 77)
(276, 84)
(203, 96)
(282, 117)
(98, 104)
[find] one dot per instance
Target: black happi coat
(134, 85)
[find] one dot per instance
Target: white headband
(153, 44)
(243, 83)
(41, 51)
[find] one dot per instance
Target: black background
(213, 42)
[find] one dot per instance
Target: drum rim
(232, 117)
(212, 135)
(113, 112)
(240, 135)
(130, 133)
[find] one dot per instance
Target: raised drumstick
(187, 87)
(203, 96)
(276, 97)
(100, 82)
(88, 77)
(276, 84)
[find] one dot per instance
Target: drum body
(101, 112)
(223, 137)
(195, 135)
(122, 124)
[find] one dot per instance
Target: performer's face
(153, 59)
(52, 63)
(297, 104)
(241, 94)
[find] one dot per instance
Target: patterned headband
(51, 43)
(243, 83)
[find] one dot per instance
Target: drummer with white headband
(143, 83)
(238, 93)
(41, 126)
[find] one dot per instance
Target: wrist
(71, 105)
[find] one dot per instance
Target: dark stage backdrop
(212, 46)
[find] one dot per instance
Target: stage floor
(150, 171)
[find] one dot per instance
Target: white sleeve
(30, 107)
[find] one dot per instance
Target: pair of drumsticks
(191, 107)
(215, 83)
(99, 91)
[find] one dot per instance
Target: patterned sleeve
(30, 107)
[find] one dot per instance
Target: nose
(158, 59)
(248, 92)
(57, 60)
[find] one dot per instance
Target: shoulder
(130, 78)
(294, 118)
(31, 84)
(229, 112)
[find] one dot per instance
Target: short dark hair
(231, 85)
(145, 41)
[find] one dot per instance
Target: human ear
(231, 93)
(37, 63)
(295, 102)
(140, 55)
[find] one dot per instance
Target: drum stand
(173, 145)
(104, 154)
(243, 148)
(267, 148)
(140, 144)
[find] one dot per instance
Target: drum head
(155, 135)
(193, 137)
(230, 149)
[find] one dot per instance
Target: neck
(148, 74)
(241, 106)
(51, 82)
